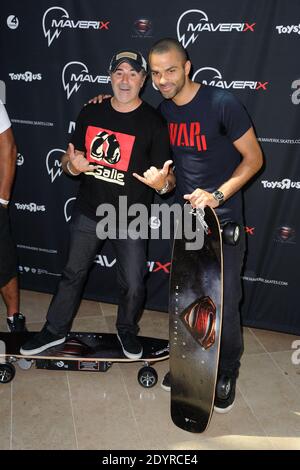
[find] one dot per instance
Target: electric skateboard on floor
(93, 352)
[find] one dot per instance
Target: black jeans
(231, 338)
(131, 271)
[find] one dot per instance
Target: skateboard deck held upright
(195, 324)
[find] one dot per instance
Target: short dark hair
(166, 45)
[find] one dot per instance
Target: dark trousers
(131, 271)
(231, 339)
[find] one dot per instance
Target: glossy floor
(43, 409)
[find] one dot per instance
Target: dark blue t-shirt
(201, 134)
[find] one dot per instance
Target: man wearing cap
(8, 260)
(112, 142)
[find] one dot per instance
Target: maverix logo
(192, 22)
(76, 73)
(212, 76)
(55, 19)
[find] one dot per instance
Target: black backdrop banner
(54, 57)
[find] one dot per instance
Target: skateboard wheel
(24, 364)
(7, 373)
(231, 233)
(147, 377)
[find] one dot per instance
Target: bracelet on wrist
(164, 189)
(70, 171)
(4, 202)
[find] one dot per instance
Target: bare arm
(251, 163)
(8, 157)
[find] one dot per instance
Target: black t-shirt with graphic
(201, 134)
(119, 144)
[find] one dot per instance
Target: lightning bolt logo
(49, 33)
(66, 84)
(192, 39)
(186, 38)
(54, 168)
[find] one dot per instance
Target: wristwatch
(219, 196)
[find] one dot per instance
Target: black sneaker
(41, 341)
(17, 324)
(130, 345)
(225, 394)
(166, 383)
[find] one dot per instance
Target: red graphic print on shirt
(108, 148)
(187, 135)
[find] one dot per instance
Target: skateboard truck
(200, 214)
(231, 231)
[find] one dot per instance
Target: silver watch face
(219, 196)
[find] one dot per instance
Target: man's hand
(78, 162)
(201, 198)
(154, 177)
(98, 99)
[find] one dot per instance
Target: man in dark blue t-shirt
(215, 153)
